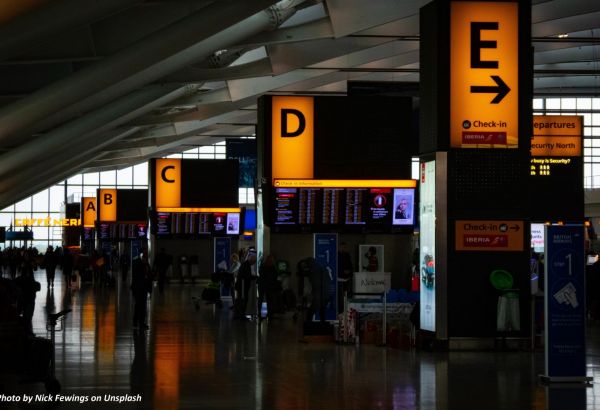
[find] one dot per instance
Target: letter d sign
(167, 178)
(292, 137)
(107, 206)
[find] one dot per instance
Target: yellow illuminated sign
(205, 210)
(344, 183)
(292, 138)
(484, 74)
(88, 211)
(47, 222)
(168, 183)
(107, 205)
(557, 136)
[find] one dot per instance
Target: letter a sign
(88, 211)
(292, 137)
(484, 74)
(168, 183)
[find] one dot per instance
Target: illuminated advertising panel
(427, 245)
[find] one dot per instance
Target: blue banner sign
(222, 256)
(325, 253)
(564, 298)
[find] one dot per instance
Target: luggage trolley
(51, 383)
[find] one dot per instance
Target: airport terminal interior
(300, 204)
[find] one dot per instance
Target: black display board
(132, 204)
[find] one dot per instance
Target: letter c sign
(167, 178)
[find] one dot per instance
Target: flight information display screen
(196, 224)
(362, 208)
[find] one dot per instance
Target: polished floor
(199, 359)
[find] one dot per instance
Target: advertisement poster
(325, 251)
(370, 258)
(564, 299)
(427, 245)
(245, 152)
(403, 206)
(233, 223)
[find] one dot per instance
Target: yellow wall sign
(484, 74)
(88, 211)
(491, 236)
(107, 205)
(292, 137)
(557, 136)
(47, 222)
(168, 183)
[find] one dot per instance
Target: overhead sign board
(491, 236)
(557, 136)
(168, 183)
(107, 205)
(484, 66)
(88, 211)
(292, 137)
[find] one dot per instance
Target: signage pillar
(475, 132)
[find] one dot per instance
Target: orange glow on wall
(107, 205)
(88, 211)
(168, 183)
(484, 69)
(292, 137)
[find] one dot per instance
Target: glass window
(193, 151)
(174, 156)
(596, 103)
(140, 174)
(584, 103)
(587, 142)
(6, 219)
(57, 197)
(24, 205)
(91, 178)
(40, 232)
(207, 149)
(587, 119)
(9, 209)
(40, 201)
(596, 131)
(569, 104)
(108, 178)
(76, 191)
(190, 156)
(125, 176)
(220, 149)
(75, 179)
(220, 156)
(553, 103)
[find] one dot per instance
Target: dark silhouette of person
(345, 269)
(402, 210)
(141, 286)
(28, 287)
(50, 263)
(67, 265)
(243, 286)
(268, 285)
(162, 263)
(124, 265)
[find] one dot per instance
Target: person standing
(267, 286)
(50, 263)
(345, 270)
(28, 287)
(141, 286)
(67, 265)
(162, 263)
(243, 285)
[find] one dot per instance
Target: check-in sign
(490, 236)
(484, 73)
